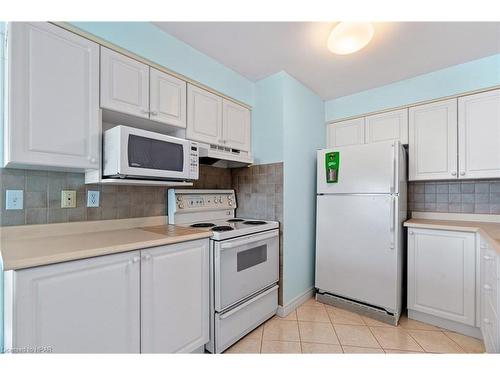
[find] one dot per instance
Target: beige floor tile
(315, 348)
(394, 351)
(312, 314)
(256, 333)
(375, 323)
(352, 335)
(312, 302)
(245, 345)
(291, 316)
(395, 338)
(435, 342)
(341, 316)
(467, 343)
(281, 347)
(315, 332)
(406, 323)
(360, 350)
(281, 330)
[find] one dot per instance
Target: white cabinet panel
(53, 98)
(174, 292)
(124, 84)
(490, 294)
(346, 133)
(479, 135)
(235, 126)
(441, 274)
(204, 116)
(387, 126)
(433, 141)
(167, 98)
(85, 306)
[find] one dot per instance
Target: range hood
(223, 157)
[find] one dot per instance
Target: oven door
(149, 154)
(244, 266)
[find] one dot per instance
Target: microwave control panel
(193, 161)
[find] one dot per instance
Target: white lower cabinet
(174, 298)
(442, 274)
(84, 306)
(490, 307)
(154, 300)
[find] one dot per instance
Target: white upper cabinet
(167, 98)
(433, 141)
(235, 126)
(124, 84)
(442, 274)
(346, 133)
(53, 98)
(204, 123)
(479, 135)
(175, 292)
(387, 126)
(84, 306)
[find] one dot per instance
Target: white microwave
(135, 153)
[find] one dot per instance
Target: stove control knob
(220, 199)
(181, 205)
(230, 203)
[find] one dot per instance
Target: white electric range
(244, 262)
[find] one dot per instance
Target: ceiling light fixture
(349, 37)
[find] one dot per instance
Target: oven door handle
(243, 305)
(260, 237)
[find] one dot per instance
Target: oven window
(251, 257)
(154, 154)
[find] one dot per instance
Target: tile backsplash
(42, 196)
(471, 196)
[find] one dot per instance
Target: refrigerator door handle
(393, 167)
(393, 222)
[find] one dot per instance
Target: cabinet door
(346, 133)
(167, 101)
(433, 141)
(479, 135)
(388, 126)
(124, 84)
(53, 98)
(441, 274)
(235, 126)
(204, 116)
(84, 306)
(174, 292)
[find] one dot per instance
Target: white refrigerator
(361, 206)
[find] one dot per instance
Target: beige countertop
(22, 248)
(490, 231)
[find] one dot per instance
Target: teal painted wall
(267, 120)
(288, 126)
(150, 42)
(473, 75)
(302, 135)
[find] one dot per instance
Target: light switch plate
(13, 199)
(93, 198)
(68, 198)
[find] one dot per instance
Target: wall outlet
(13, 199)
(68, 198)
(93, 198)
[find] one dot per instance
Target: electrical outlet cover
(68, 198)
(13, 199)
(93, 198)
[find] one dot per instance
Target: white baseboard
(294, 303)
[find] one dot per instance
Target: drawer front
(237, 322)
(489, 327)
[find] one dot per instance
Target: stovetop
(233, 227)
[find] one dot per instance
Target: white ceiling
(399, 50)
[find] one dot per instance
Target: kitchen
(182, 200)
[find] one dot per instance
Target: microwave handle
(232, 244)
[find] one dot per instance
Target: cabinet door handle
(487, 287)
(91, 159)
(487, 321)
(453, 173)
(153, 113)
(146, 257)
(410, 233)
(487, 257)
(145, 111)
(462, 173)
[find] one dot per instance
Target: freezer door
(357, 248)
(368, 168)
